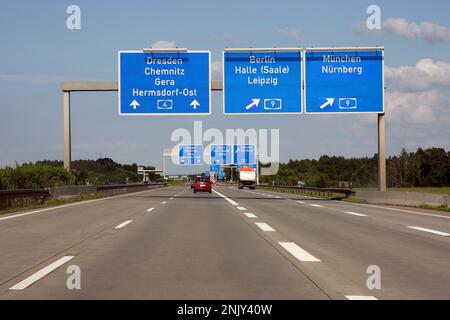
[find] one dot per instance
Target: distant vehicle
(247, 178)
(202, 184)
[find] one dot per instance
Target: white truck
(247, 178)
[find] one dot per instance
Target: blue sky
(38, 52)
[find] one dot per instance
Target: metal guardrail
(312, 191)
(25, 193)
(45, 193)
(121, 186)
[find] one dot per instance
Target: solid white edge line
(395, 209)
(123, 224)
(250, 215)
(264, 227)
(72, 204)
(151, 209)
(361, 298)
(234, 203)
(218, 193)
(298, 252)
(355, 214)
(41, 273)
(440, 233)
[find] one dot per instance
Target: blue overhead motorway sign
(221, 154)
(164, 83)
(244, 154)
(214, 168)
(190, 154)
(262, 81)
(344, 80)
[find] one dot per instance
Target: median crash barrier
(25, 193)
(71, 191)
(320, 192)
(128, 188)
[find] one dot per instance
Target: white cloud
(428, 31)
(414, 107)
(290, 32)
(224, 37)
(426, 74)
(162, 44)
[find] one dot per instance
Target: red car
(202, 184)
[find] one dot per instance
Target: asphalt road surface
(232, 244)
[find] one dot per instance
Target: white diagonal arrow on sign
(255, 102)
(329, 102)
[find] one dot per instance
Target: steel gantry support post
(381, 153)
(111, 86)
(67, 131)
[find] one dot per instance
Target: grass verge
(355, 200)
(29, 204)
(442, 207)
(443, 190)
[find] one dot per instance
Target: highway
(170, 243)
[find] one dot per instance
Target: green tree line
(422, 168)
(43, 174)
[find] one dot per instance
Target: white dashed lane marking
(315, 205)
(41, 273)
(355, 214)
(264, 227)
(250, 215)
(440, 233)
(123, 224)
(361, 298)
(151, 209)
(298, 252)
(241, 208)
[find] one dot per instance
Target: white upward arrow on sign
(194, 104)
(134, 104)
